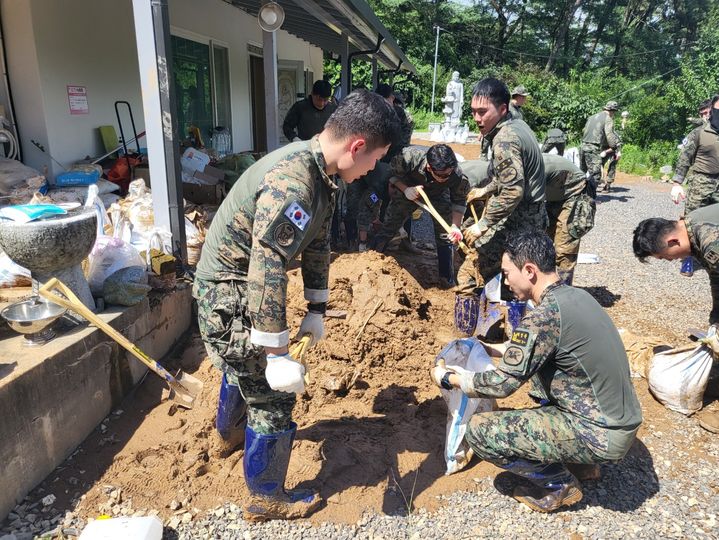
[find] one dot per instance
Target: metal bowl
(31, 316)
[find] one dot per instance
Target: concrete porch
(53, 396)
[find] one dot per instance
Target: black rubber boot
(445, 264)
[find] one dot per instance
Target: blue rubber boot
(553, 485)
(265, 465)
(231, 418)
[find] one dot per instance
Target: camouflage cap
(611, 106)
(520, 91)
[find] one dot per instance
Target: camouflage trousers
(702, 190)
(545, 434)
(400, 208)
(591, 162)
(566, 246)
(486, 260)
(363, 205)
(225, 329)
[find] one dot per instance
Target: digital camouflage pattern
(516, 177)
(573, 348)
(569, 210)
(225, 323)
(703, 229)
(280, 207)
(698, 165)
(252, 238)
(410, 167)
(406, 125)
(366, 195)
(304, 120)
(599, 135)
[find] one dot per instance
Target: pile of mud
(371, 426)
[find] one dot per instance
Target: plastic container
(136, 528)
(515, 312)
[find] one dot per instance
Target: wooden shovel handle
(436, 215)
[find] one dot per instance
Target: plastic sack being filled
(461, 356)
(678, 378)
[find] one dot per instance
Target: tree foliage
(658, 58)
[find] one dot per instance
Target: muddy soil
(373, 446)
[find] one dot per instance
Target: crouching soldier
(571, 346)
(281, 208)
(697, 235)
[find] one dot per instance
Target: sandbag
(678, 378)
(109, 255)
(461, 356)
(126, 287)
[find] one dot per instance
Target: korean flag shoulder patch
(298, 216)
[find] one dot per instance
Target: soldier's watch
(444, 383)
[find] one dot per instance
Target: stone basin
(54, 247)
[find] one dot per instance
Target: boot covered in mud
(231, 418)
(553, 486)
(265, 464)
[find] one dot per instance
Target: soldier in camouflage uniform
(280, 208)
(406, 121)
(434, 170)
(700, 152)
(601, 143)
(697, 235)
(571, 346)
(365, 198)
(516, 172)
(569, 209)
(519, 98)
(555, 138)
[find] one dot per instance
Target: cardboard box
(210, 176)
(202, 194)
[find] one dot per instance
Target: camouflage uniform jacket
(304, 120)
(703, 229)
(410, 166)
(700, 149)
(515, 111)
(516, 170)
(564, 179)
(599, 131)
(574, 349)
(280, 207)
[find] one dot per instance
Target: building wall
(91, 43)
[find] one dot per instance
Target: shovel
(436, 215)
(184, 388)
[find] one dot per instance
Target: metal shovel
(184, 388)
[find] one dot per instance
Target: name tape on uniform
(297, 215)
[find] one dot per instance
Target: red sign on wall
(77, 98)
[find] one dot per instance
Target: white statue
(455, 89)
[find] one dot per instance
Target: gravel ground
(666, 487)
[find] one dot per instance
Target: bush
(422, 118)
(647, 161)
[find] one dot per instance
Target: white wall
(51, 45)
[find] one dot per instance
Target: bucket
(466, 313)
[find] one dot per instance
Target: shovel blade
(185, 389)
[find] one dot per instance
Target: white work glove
(295, 139)
(471, 234)
(285, 374)
(617, 155)
(412, 192)
(313, 324)
(678, 194)
(455, 235)
(712, 340)
(603, 154)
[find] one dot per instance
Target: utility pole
(434, 76)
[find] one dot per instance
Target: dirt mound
(371, 427)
